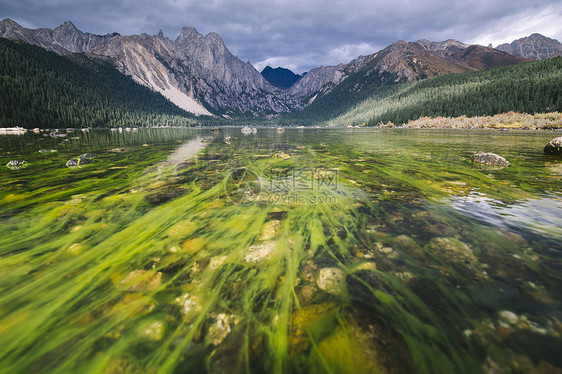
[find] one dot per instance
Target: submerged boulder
(554, 147)
(489, 159)
(83, 159)
(332, 280)
(141, 281)
(16, 164)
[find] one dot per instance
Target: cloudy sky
(302, 34)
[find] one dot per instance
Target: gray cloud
(302, 34)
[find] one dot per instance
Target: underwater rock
(122, 365)
(229, 139)
(220, 329)
(246, 130)
(405, 276)
(332, 280)
(141, 281)
(56, 134)
(270, 230)
(309, 272)
(305, 294)
(73, 162)
(165, 194)
(76, 248)
(259, 252)
(189, 303)
(154, 331)
(119, 150)
(386, 250)
(132, 305)
(216, 262)
(86, 156)
(489, 159)
(193, 245)
(16, 164)
(83, 159)
(301, 322)
(452, 250)
(554, 147)
(281, 156)
(280, 130)
(47, 150)
(509, 317)
(369, 266)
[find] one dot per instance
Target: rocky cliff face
(535, 46)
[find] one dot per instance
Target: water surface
(312, 250)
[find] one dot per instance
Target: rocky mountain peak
(535, 46)
(188, 33)
(68, 25)
(9, 22)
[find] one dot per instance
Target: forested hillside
(529, 87)
(42, 89)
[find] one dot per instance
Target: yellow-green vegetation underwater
(304, 251)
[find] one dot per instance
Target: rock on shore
(554, 147)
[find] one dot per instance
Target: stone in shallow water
(16, 164)
(332, 280)
(270, 230)
(489, 159)
(216, 262)
(189, 303)
(509, 317)
(309, 271)
(141, 281)
(154, 331)
(259, 252)
(221, 327)
(554, 147)
(453, 250)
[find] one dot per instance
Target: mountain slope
(42, 89)
(280, 77)
(401, 62)
(535, 46)
(531, 87)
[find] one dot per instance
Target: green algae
(140, 262)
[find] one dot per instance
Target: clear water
(312, 250)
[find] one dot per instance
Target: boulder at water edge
(554, 147)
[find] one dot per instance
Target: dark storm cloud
(301, 34)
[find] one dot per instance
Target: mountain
(280, 77)
(200, 75)
(402, 62)
(39, 88)
(532, 87)
(535, 46)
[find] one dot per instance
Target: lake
(303, 251)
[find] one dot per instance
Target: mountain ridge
(535, 46)
(200, 75)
